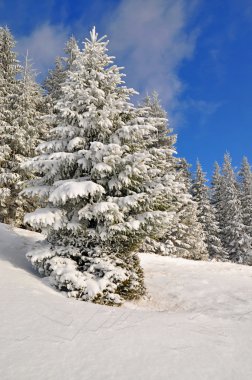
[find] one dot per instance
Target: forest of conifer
(100, 178)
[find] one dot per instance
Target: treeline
(225, 210)
(99, 176)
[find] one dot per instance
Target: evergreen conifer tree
(18, 142)
(183, 169)
(71, 50)
(57, 75)
(153, 109)
(184, 236)
(245, 175)
(104, 184)
(206, 216)
(9, 68)
(216, 193)
(233, 232)
(55, 78)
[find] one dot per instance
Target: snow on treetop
(94, 36)
(71, 190)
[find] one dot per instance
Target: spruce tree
(216, 193)
(216, 184)
(154, 110)
(104, 184)
(184, 235)
(30, 126)
(245, 175)
(206, 216)
(9, 90)
(18, 142)
(9, 69)
(57, 75)
(71, 50)
(55, 78)
(233, 232)
(184, 173)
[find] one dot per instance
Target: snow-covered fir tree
(245, 176)
(153, 109)
(29, 112)
(206, 216)
(9, 89)
(216, 193)
(183, 168)
(184, 237)
(20, 135)
(233, 231)
(71, 49)
(55, 78)
(9, 68)
(105, 184)
(57, 75)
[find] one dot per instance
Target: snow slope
(195, 324)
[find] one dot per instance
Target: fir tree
(29, 108)
(216, 184)
(104, 184)
(154, 110)
(183, 169)
(216, 193)
(9, 68)
(55, 78)
(18, 142)
(233, 232)
(245, 175)
(187, 234)
(71, 50)
(184, 235)
(206, 216)
(57, 75)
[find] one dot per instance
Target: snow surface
(196, 323)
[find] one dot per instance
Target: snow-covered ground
(195, 324)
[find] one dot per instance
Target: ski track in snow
(195, 323)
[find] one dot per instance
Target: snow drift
(195, 324)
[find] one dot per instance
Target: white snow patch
(71, 190)
(196, 323)
(44, 217)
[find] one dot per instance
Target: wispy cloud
(43, 44)
(201, 108)
(207, 108)
(151, 38)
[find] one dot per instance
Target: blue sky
(196, 53)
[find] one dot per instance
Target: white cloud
(43, 44)
(151, 38)
(203, 109)
(207, 108)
